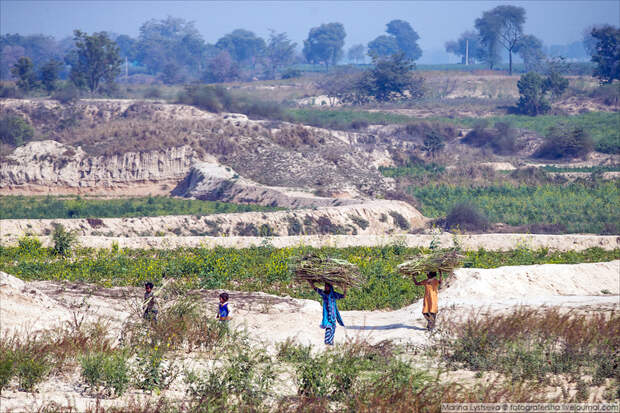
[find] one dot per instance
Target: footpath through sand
(271, 319)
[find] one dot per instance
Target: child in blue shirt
(331, 315)
(222, 313)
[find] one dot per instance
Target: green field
(18, 207)
(258, 269)
(589, 208)
(603, 127)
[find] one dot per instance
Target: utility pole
(466, 52)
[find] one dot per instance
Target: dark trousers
(430, 318)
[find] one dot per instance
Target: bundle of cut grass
(444, 261)
(324, 269)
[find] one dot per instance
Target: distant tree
(39, 48)
(324, 44)
(391, 79)
(23, 71)
(502, 25)
(14, 130)
(469, 42)
(172, 40)
(221, 68)
(383, 46)
(340, 87)
(48, 74)
(280, 52)
(94, 61)
(589, 41)
(532, 100)
(530, 49)
(433, 143)
(172, 74)
(607, 53)
(356, 53)
(406, 37)
(243, 46)
(9, 56)
(127, 47)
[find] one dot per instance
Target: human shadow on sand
(386, 327)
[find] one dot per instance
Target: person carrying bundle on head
(331, 315)
(429, 307)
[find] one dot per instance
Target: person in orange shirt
(429, 309)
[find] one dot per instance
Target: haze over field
(554, 22)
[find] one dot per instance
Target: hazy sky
(555, 22)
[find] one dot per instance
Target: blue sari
(331, 315)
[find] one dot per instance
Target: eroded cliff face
(56, 166)
(373, 217)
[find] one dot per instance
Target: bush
(608, 94)
(14, 130)
(466, 217)
(501, 138)
(291, 73)
(565, 142)
(151, 373)
(400, 220)
(8, 91)
(31, 371)
(7, 368)
(63, 240)
(211, 98)
(29, 244)
(532, 95)
(107, 370)
(153, 92)
(67, 94)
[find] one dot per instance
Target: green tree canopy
(356, 53)
(607, 53)
(391, 79)
(406, 37)
(95, 60)
(530, 49)
(280, 52)
(23, 71)
(469, 42)
(242, 45)
(170, 41)
(383, 46)
(502, 25)
(324, 44)
(48, 74)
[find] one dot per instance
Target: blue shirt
(223, 311)
(331, 315)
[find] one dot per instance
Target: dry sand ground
(270, 319)
(491, 242)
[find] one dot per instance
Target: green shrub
(7, 368)
(107, 370)
(29, 244)
(9, 91)
(292, 352)
(14, 130)
(153, 92)
(63, 240)
(151, 372)
(608, 94)
(68, 94)
(31, 371)
(565, 142)
(532, 99)
(466, 217)
(400, 220)
(291, 73)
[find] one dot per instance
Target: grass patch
(20, 207)
(258, 269)
(589, 208)
(587, 169)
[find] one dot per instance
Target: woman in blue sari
(331, 315)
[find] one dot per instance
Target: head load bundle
(440, 261)
(320, 269)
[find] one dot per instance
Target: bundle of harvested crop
(320, 269)
(441, 261)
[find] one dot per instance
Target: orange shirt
(430, 296)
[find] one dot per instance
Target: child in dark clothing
(150, 304)
(222, 313)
